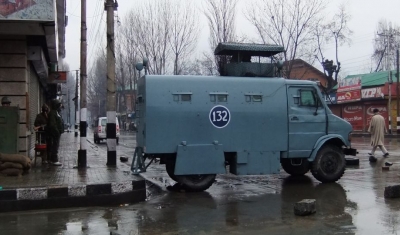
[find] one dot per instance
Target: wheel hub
(329, 163)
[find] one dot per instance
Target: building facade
(358, 95)
(32, 45)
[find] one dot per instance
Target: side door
(307, 120)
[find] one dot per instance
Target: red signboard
(348, 96)
(393, 89)
(382, 110)
(375, 92)
(354, 115)
(57, 77)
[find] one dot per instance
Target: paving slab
(47, 186)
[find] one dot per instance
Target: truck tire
(295, 170)
(170, 167)
(329, 164)
(196, 183)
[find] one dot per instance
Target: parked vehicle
(199, 126)
(99, 132)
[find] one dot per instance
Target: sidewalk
(49, 186)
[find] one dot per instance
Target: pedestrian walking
(377, 128)
(54, 130)
(39, 126)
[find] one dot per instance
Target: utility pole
(110, 6)
(397, 89)
(83, 126)
(76, 103)
(69, 110)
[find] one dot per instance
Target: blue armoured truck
(249, 121)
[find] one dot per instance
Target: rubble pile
(14, 164)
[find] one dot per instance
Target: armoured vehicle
(249, 121)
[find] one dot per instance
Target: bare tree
(287, 23)
(221, 16)
(96, 88)
(121, 77)
(152, 21)
(201, 66)
(184, 32)
(335, 30)
(130, 56)
(386, 42)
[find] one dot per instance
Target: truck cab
(250, 121)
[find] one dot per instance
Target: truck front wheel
(295, 167)
(329, 164)
(196, 183)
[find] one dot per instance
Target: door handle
(294, 118)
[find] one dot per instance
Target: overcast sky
(355, 58)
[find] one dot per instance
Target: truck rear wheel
(329, 164)
(295, 167)
(196, 183)
(170, 168)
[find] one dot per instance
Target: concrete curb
(72, 196)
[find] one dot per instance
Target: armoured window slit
(186, 97)
(182, 96)
(219, 97)
(253, 98)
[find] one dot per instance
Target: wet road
(238, 205)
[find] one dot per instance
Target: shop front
(359, 114)
(356, 104)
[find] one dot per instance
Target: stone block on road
(305, 207)
(385, 168)
(392, 191)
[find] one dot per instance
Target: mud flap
(200, 159)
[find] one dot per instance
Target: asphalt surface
(237, 204)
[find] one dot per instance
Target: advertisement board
(354, 115)
(39, 10)
(383, 110)
(349, 84)
(348, 96)
(372, 93)
(57, 77)
(330, 98)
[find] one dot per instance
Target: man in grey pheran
(377, 128)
